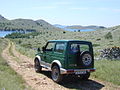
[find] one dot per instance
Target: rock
(111, 53)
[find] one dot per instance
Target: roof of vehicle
(68, 41)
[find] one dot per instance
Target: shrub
(64, 32)
(108, 35)
(95, 45)
(98, 39)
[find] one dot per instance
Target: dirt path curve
(24, 66)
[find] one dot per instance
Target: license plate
(80, 72)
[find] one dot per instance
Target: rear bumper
(76, 71)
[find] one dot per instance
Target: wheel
(84, 76)
(55, 74)
(86, 59)
(37, 66)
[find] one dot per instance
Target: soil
(24, 66)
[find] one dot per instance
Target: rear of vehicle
(79, 59)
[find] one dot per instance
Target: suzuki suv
(63, 57)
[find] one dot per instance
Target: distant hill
(79, 27)
(25, 24)
(2, 18)
(85, 27)
(60, 26)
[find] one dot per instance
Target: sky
(64, 12)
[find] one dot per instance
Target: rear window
(84, 47)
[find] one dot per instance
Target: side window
(79, 47)
(60, 47)
(50, 46)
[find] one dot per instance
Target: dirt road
(23, 65)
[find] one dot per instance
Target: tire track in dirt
(23, 65)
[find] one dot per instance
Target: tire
(37, 66)
(86, 59)
(55, 74)
(84, 76)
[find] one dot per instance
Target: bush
(95, 45)
(64, 32)
(98, 39)
(108, 35)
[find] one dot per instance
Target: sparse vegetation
(9, 79)
(108, 71)
(26, 51)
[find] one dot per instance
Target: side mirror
(43, 49)
(38, 50)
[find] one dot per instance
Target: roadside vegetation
(107, 70)
(26, 51)
(9, 79)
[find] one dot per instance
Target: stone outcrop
(111, 53)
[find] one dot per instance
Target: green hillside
(25, 24)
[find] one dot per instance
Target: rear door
(73, 55)
(75, 49)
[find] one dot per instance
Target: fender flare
(38, 57)
(56, 62)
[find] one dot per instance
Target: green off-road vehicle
(63, 57)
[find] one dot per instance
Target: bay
(4, 33)
(80, 30)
